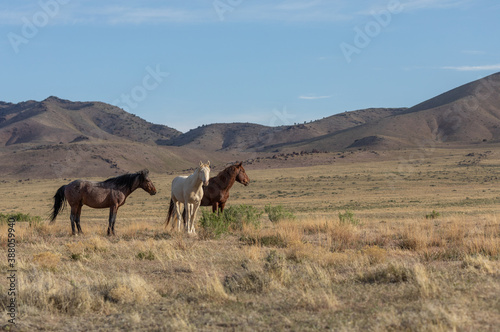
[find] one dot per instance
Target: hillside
(254, 137)
(469, 114)
(55, 121)
(58, 138)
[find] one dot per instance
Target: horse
(187, 190)
(216, 193)
(110, 193)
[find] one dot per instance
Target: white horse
(188, 191)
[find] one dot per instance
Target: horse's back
(90, 193)
(178, 187)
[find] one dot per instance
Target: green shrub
(146, 255)
(348, 218)
(432, 215)
(278, 213)
(233, 218)
(20, 217)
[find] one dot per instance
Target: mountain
(61, 138)
(464, 115)
(253, 137)
(468, 114)
(55, 120)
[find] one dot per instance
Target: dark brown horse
(216, 193)
(111, 194)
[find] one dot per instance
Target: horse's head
(145, 183)
(242, 176)
(204, 172)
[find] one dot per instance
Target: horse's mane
(229, 170)
(127, 180)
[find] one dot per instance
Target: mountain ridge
(60, 132)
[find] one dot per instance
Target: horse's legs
(72, 217)
(112, 219)
(188, 207)
(185, 214)
(221, 206)
(215, 207)
(77, 219)
(193, 218)
(179, 216)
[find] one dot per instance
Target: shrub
(248, 281)
(20, 217)
(275, 264)
(146, 255)
(348, 218)
(233, 218)
(278, 213)
(385, 274)
(432, 215)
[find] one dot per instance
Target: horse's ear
(208, 163)
(145, 172)
(201, 163)
(240, 164)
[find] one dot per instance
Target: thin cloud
(115, 12)
(197, 11)
(312, 97)
(412, 5)
(473, 68)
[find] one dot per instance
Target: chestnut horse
(216, 193)
(111, 194)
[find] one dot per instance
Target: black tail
(59, 203)
(170, 211)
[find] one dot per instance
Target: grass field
(417, 249)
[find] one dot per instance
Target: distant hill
(61, 138)
(254, 137)
(56, 121)
(468, 114)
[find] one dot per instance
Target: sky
(189, 63)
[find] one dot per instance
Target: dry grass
(391, 270)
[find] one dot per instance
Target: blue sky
(187, 63)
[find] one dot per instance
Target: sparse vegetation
(432, 215)
(233, 218)
(348, 218)
(278, 213)
(20, 217)
(395, 270)
(146, 255)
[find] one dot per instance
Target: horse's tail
(59, 203)
(170, 212)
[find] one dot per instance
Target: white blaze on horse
(188, 191)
